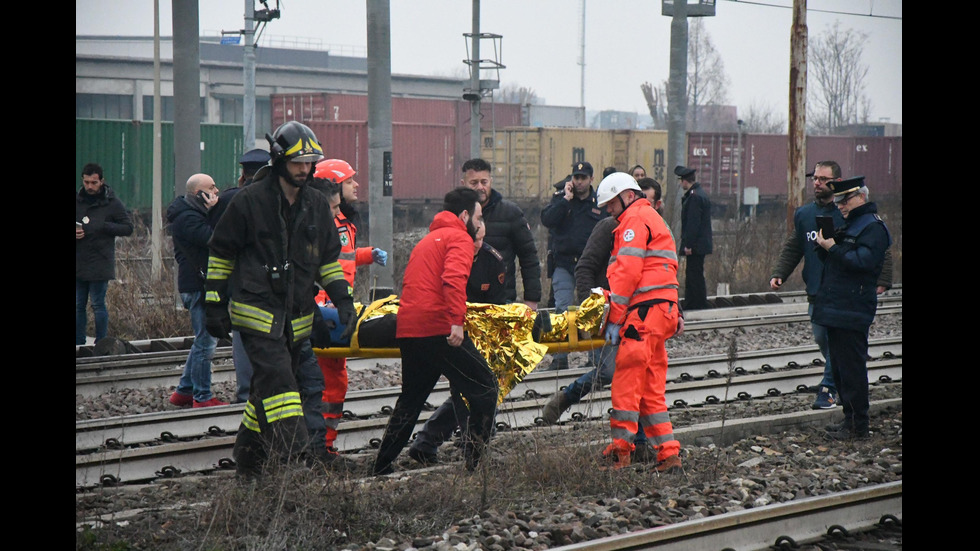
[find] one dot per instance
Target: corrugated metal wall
(528, 161)
(125, 151)
(765, 160)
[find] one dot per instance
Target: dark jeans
(695, 289)
(849, 362)
(96, 290)
(424, 359)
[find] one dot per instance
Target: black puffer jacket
(191, 231)
(509, 233)
(104, 218)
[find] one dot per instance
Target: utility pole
(582, 60)
(380, 198)
(676, 109)
(478, 88)
(187, 91)
(797, 111)
(263, 16)
(156, 226)
(476, 94)
(248, 103)
(679, 11)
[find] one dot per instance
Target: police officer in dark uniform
(847, 299)
(487, 284)
(696, 239)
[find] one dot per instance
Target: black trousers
(424, 359)
(849, 364)
(273, 422)
(695, 289)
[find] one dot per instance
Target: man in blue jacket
(569, 217)
(188, 219)
(847, 300)
(800, 245)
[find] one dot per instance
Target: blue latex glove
(379, 256)
(612, 333)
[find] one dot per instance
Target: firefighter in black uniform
(275, 240)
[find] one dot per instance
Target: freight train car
(527, 161)
(765, 158)
(427, 154)
(124, 149)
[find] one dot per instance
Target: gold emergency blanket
(588, 318)
(502, 333)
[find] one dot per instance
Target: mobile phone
(78, 225)
(826, 225)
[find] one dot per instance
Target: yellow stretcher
(502, 333)
(570, 341)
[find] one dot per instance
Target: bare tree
(836, 80)
(513, 93)
(657, 103)
(707, 83)
(763, 119)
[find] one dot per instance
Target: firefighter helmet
(335, 170)
(613, 185)
(294, 141)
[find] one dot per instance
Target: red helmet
(334, 170)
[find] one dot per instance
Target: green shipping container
(125, 151)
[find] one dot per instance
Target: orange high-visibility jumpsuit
(643, 299)
(335, 369)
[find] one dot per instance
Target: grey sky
(626, 41)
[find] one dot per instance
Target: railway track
(158, 368)
(144, 447)
(782, 526)
(117, 453)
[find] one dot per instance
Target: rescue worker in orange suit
(643, 314)
(335, 369)
(276, 240)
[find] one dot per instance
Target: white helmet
(613, 185)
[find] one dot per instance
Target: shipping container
(647, 148)
(318, 107)
(423, 156)
(765, 161)
(124, 149)
(542, 116)
(528, 161)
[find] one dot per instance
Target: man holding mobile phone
(188, 219)
(800, 244)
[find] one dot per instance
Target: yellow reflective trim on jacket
(219, 268)
(282, 406)
(245, 315)
(302, 327)
(212, 296)
(331, 272)
(249, 419)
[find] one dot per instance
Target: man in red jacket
(430, 333)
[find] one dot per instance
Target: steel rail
(801, 520)
(206, 452)
(114, 432)
(158, 369)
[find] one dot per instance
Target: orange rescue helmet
(335, 170)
